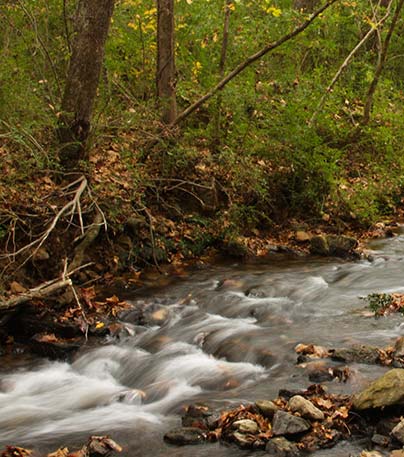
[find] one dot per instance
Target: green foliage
(268, 162)
(378, 302)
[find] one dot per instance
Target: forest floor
(127, 220)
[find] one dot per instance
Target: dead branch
(69, 209)
(41, 291)
(37, 293)
(250, 60)
(88, 239)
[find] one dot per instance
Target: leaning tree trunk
(166, 77)
(91, 26)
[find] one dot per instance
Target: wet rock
(267, 408)
(196, 416)
(47, 345)
(239, 349)
(99, 446)
(357, 353)
(398, 432)
(305, 408)
(255, 292)
(246, 426)
(399, 347)
(242, 440)
(380, 440)
(185, 435)
(281, 447)
(333, 245)
(288, 424)
(320, 374)
(386, 391)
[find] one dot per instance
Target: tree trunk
(222, 67)
(166, 77)
(380, 64)
(91, 30)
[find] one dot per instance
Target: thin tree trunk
(374, 29)
(91, 26)
(380, 64)
(250, 60)
(222, 66)
(165, 76)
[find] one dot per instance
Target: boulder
(385, 391)
(185, 435)
(305, 408)
(288, 424)
(333, 245)
(281, 447)
(267, 408)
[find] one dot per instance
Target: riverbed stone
(398, 432)
(358, 353)
(380, 440)
(246, 426)
(185, 435)
(267, 408)
(281, 447)
(305, 408)
(288, 424)
(242, 440)
(385, 391)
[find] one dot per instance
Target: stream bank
(226, 337)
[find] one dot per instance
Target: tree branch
(250, 60)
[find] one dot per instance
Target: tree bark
(222, 67)
(91, 30)
(380, 64)
(166, 73)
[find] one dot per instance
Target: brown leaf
(15, 451)
(61, 452)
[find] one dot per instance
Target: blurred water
(232, 342)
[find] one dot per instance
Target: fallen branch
(36, 293)
(41, 291)
(250, 60)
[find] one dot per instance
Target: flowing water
(227, 338)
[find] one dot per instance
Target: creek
(228, 337)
